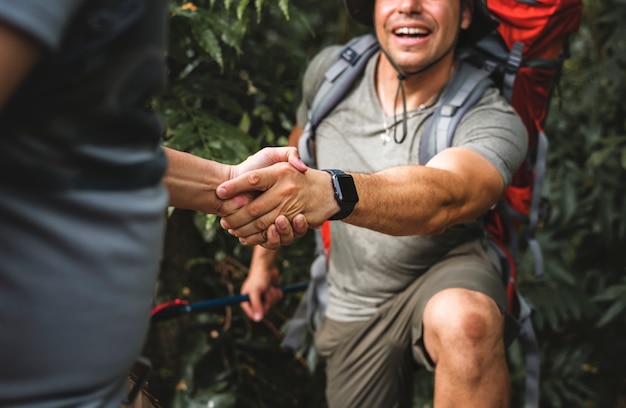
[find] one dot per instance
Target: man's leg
(463, 332)
(368, 364)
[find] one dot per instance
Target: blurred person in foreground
(85, 186)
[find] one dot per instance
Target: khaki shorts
(372, 363)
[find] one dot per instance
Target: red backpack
(536, 33)
(523, 57)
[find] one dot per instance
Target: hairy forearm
(408, 200)
(426, 200)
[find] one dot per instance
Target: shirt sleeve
(44, 20)
(493, 129)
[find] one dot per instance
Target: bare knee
(464, 327)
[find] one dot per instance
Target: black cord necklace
(386, 136)
(402, 76)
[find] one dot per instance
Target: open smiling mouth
(411, 32)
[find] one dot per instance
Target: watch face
(347, 189)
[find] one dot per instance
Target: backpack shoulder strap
(338, 80)
(465, 89)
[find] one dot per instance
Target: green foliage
(613, 296)
(580, 307)
(563, 382)
(232, 80)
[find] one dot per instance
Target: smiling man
(411, 278)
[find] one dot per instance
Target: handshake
(269, 199)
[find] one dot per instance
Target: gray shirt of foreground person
(82, 208)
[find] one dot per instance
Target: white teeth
(410, 31)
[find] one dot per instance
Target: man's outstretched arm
(456, 186)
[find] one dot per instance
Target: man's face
(417, 32)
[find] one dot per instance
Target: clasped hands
(273, 197)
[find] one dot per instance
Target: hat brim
(361, 11)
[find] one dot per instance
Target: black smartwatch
(345, 193)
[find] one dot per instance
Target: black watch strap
(345, 193)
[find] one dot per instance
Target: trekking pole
(178, 307)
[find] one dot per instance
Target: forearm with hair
(426, 200)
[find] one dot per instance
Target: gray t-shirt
(43, 20)
(367, 267)
(78, 265)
